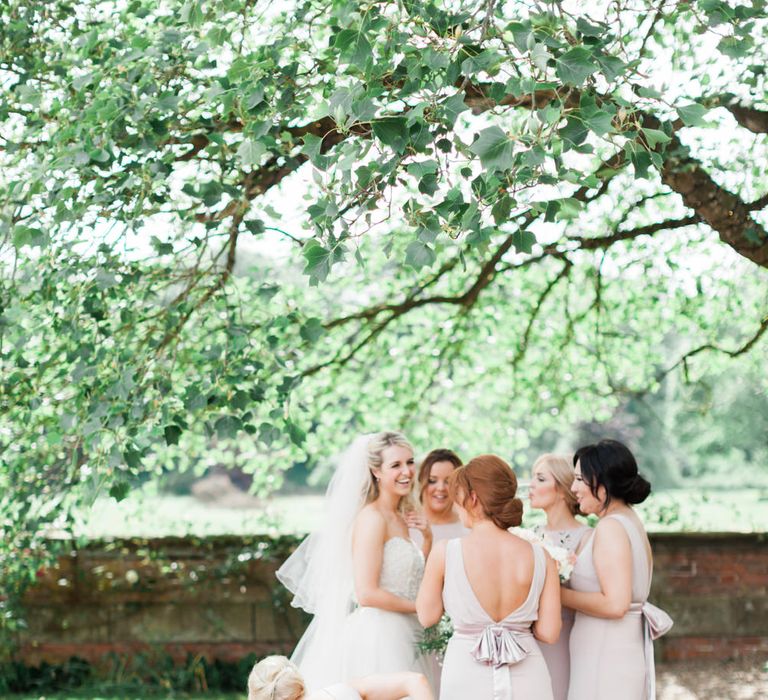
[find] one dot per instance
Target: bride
(359, 574)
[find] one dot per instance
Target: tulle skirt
(380, 641)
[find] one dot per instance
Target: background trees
(510, 218)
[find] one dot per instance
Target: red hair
(494, 483)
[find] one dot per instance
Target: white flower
(527, 535)
(563, 558)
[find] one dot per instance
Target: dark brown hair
(439, 455)
(494, 483)
(610, 463)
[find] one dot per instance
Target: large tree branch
(219, 283)
(710, 347)
(756, 120)
(539, 303)
(723, 211)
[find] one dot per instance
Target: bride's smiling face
(397, 469)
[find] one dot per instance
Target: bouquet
(563, 558)
(436, 638)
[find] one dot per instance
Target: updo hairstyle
(562, 472)
(610, 464)
(376, 446)
(494, 483)
(439, 455)
(275, 678)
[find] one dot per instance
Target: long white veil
(319, 573)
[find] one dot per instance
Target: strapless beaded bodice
(402, 568)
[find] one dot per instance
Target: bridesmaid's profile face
(543, 491)
(436, 498)
(588, 502)
(396, 471)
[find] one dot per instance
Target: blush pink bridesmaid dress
(613, 659)
(557, 655)
(488, 659)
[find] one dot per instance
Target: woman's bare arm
(547, 626)
(612, 556)
(429, 602)
(393, 686)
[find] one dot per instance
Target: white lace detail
(402, 568)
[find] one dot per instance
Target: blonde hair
(378, 443)
(275, 678)
(561, 469)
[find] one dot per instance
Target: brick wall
(715, 586)
(218, 597)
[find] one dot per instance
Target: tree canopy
(501, 215)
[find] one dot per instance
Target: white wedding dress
(381, 641)
(345, 640)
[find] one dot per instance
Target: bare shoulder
(370, 521)
(609, 532)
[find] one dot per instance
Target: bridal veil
(319, 573)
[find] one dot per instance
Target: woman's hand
(418, 521)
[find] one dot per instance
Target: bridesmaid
(550, 491)
(499, 590)
(611, 651)
(435, 499)
(277, 678)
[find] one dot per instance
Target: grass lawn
(96, 695)
(677, 510)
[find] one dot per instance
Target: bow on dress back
(487, 658)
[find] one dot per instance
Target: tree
(530, 195)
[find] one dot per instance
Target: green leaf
(120, 490)
(250, 152)
(574, 132)
(28, 235)
(172, 434)
(502, 209)
(422, 168)
(655, 137)
(345, 38)
(318, 260)
(540, 56)
(640, 159)
(495, 150)
(392, 132)
(227, 426)
(453, 106)
(692, 114)
(132, 458)
(600, 122)
(523, 241)
(312, 330)
(295, 433)
(611, 66)
(588, 29)
(418, 254)
(192, 13)
(575, 65)
(312, 149)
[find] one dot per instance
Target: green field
(96, 695)
(679, 510)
